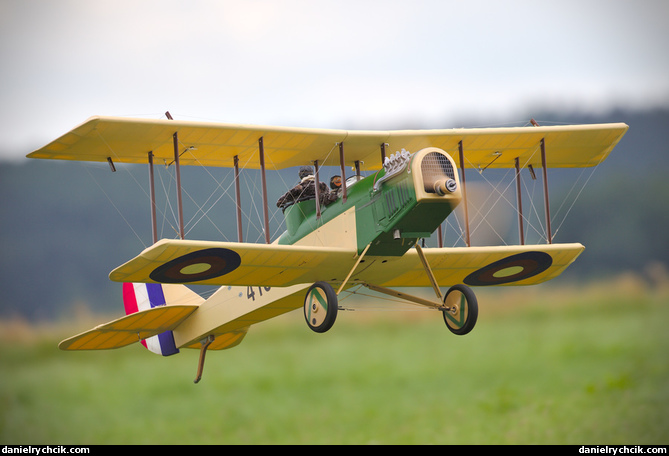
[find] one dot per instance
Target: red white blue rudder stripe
(144, 296)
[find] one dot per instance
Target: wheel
(320, 307)
(464, 309)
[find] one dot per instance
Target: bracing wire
(578, 194)
(115, 207)
(481, 212)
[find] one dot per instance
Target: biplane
(368, 234)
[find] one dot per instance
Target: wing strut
(318, 190)
(549, 234)
(261, 148)
(175, 138)
(238, 200)
(464, 193)
(152, 192)
(178, 173)
(521, 233)
(343, 171)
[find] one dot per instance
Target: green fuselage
(390, 219)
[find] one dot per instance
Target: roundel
(197, 266)
(511, 269)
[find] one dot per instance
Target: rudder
(143, 296)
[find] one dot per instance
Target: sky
(362, 64)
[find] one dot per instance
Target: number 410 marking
(250, 294)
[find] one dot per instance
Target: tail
(143, 296)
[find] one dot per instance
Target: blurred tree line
(64, 226)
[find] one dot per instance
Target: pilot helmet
(335, 182)
(305, 171)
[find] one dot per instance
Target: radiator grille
(435, 167)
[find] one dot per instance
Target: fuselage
(389, 210)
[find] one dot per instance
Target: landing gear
(462, 309)
(320, 307)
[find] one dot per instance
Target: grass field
(543, 366)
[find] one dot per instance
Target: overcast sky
(370, 64)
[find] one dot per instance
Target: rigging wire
(192, 223)
(498, 193)
(168, 205)
(578, 195)
(541, 231)
(114, 205)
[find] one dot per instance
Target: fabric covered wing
(474, 266)
(230, 263)
(129, 140)
(129, 329)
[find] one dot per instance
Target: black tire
(465, 309)
(320, 307)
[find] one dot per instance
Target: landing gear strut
(460, 306)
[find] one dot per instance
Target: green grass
(542, 366)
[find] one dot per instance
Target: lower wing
(272, 265)
(474, 266)
(232, 263)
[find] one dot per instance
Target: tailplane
(144, 296)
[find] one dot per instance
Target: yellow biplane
(367, 232)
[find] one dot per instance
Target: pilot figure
(306, 190)
(335, 183)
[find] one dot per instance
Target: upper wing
(475, 266)
(216, 144)
(231, 263)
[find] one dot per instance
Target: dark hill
(64, 226)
